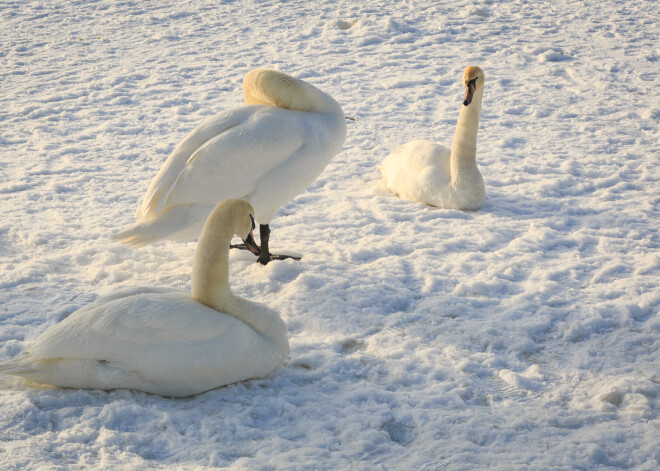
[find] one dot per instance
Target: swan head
(473, 80)
(272, 87)
(235, 215)
(248, 240)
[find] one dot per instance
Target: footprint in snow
(351, 346)
(343, 24)
(398, 432)
(553, 55)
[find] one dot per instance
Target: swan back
(160, 342)
(271, 87)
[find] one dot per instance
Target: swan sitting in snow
(265, 152)
(162, 340)
(430, 173)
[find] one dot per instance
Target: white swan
(162, 340)
(430, 173)
(265, 152)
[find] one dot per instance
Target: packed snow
(525, 335)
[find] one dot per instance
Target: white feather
(266, 153)
(161, 340)
(433, 174)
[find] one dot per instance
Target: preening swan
(430, 173)
(265, 152)
(163, 340)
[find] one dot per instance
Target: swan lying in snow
(162, 340)
(430, 173)
(265, 152)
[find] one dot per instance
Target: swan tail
(151, 204)
(137, 235)
(182, 222)
(19, 365)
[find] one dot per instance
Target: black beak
(249, 240)
(469, 91)
(251, 244)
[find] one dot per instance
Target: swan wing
(418, 170)
(231, 164)
(156, 196)
(123, 327)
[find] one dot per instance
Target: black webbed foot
(265, 256)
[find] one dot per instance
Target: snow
(521, 336)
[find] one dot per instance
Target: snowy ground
(522, 336)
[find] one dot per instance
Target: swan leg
(265, 256)
(264, 235)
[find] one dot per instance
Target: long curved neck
(464, 144)
(210, 285)
(210, 272)
(270, 87)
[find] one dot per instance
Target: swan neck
(464, 143)
(210, 273)
(210, 285)
(270, 87)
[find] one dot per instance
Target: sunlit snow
(525, 335)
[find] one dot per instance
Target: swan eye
(253, 224)
(473, 82)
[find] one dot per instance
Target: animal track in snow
(351, 346)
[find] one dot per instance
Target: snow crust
(525, 335)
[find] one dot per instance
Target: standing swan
(430, 173)
(162, 340)
(265, 152)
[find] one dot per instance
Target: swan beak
(469, 93)
(251, 244)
